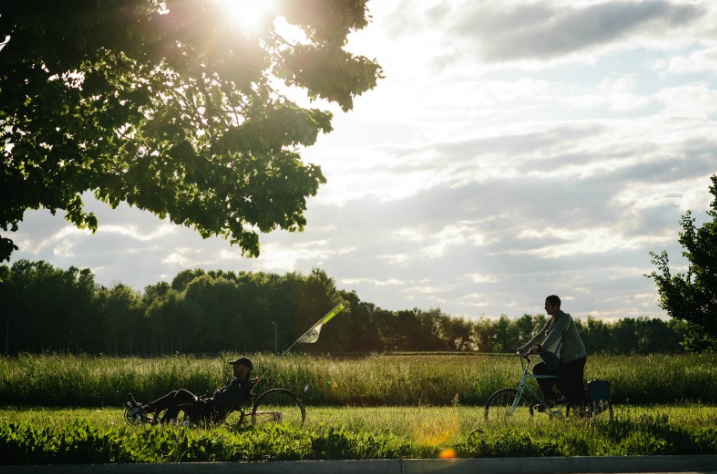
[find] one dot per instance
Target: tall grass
(378, 380)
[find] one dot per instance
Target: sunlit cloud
(620, 94)
(540, 34)
(371, 281)
(480, 278)
(63, 248)
(61, 242)
(134, 233)
(396, 259)
(275, 256)
(691, 100)
(177, 258)
(590, 241)
(453, 235)
(698, 61)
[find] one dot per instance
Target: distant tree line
(43, 308)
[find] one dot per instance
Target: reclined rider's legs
(171, 402)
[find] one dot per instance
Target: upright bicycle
(520, 402)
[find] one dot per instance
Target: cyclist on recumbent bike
(224, 399)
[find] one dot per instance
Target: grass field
(379, 380)
(377, 407)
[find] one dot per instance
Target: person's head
(552, 305)
(242, 367)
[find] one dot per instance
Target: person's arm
(233, 396)
(558, 331)
(534, 339)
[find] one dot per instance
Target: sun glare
(250, 14)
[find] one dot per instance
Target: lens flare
(447, 453)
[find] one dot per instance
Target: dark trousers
(171, 402)
(569, 381)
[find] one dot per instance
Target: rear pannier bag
(598, 395)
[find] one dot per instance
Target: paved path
(559, 465)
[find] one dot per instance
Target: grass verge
(59, 436)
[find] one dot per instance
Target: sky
(514, 149)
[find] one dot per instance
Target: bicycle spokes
(508, 403)
(278, 406)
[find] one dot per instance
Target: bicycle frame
(535, 394)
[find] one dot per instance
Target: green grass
(379, 380)
(377, 407)
(100, 436)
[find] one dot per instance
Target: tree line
(49, 309)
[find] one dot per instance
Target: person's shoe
(131, 402)
(137, 409)
(540, 408)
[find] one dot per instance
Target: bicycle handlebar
(525, 360)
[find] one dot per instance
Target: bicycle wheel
(608, 408)
(500, 405)
(135, 417)
(603, 406)
(593, 409)
(278, 405)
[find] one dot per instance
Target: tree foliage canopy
(692, 296)
(172, 108)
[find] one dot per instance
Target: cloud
(546, 31)
(690, 100)
(699, 61)
(620, 96)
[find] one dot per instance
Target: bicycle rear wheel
(499, 406)
(593, 409)
(605, 405)
(278, 405)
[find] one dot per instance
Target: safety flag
(312, 335)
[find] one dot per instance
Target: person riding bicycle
(224, 399)
(559, 332)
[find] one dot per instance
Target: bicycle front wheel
(134, 416)
(278, 405)
(501, 406)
